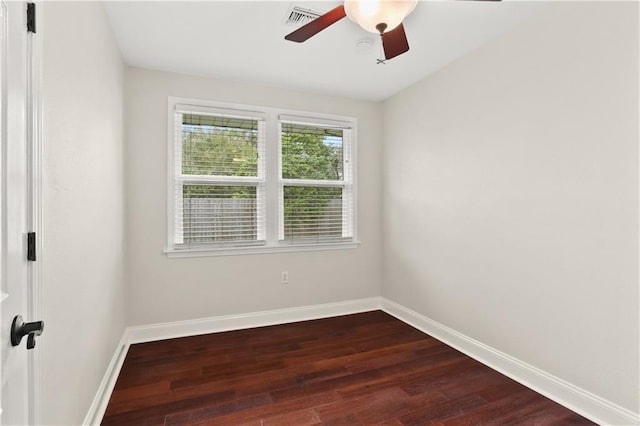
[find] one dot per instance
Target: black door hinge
(31, 17)
(31, 246)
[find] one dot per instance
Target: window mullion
(272, 177)
(174, 227)
(348, 203)
(310, 182)
(217, 180)
(261, 197)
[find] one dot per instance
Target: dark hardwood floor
(366, 368)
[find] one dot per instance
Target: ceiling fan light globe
(370, 13)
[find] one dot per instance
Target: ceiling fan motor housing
(378, 16)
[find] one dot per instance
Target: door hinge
(31, 246)
(31, 17)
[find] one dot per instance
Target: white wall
(83, 194)
(163, 289)
(511, 196)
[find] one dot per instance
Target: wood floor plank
(159, 374)
(360, 369)
(305, 417)
(442, 410)
(213, 410)
(380, 406)
(293, 403)
(522, 407)
(159, 403)
(126, 394)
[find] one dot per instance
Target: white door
(16, 211)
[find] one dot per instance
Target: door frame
(35, 207)
(31, 95)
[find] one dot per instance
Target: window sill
(241, 251)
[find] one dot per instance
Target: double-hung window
(250, 180)
(315, 181)
(218, 178)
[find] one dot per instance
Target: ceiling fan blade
(314, 27)
(395, 42)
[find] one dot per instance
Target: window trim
(178, 178)
(271, 178)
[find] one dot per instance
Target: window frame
(270, 179)
(345, 184)
(220, 180)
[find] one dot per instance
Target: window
(245, 179)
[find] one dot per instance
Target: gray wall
(511, 196)
(83, 194)
(163, 289)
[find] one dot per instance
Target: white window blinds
(219, 185)
(315, 186)
(252, 180)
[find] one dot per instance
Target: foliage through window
(312, 182)
(258, 178)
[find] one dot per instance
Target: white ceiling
(241, 40)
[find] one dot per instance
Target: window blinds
(219, 146)
(257, 177)
(219, 185)
(315, 191)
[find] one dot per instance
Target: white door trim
(20, 207)
(34, 141)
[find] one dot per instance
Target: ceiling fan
(382, 17)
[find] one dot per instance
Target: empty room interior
(286, 213)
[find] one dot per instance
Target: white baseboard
(101, 399)
(171, 330)
(577, 399)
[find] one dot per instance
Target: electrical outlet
(285, 277)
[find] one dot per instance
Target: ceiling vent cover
(297, 15)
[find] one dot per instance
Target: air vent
(297, 15)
